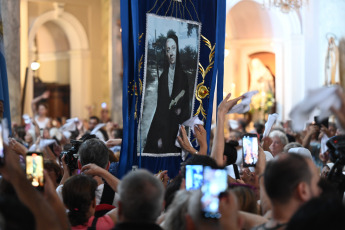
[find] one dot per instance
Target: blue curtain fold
(211, 14)
(4, 93)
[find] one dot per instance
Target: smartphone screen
(2, 153)
(250, 149)
(34, 169)
(194, 176)
(215, 182)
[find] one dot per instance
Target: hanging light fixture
(285, 5)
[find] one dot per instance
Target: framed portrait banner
(173, 52)
(170, 74)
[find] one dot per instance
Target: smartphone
(250, 149)
(319, 122)
(2, 152)
(214, 182)
(34, 169)
(194, 177)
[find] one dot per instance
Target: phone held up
(214, 182)
(34, 169)
(194, 177)
(250, 149)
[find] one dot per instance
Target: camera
(336, 148)
(71, 153)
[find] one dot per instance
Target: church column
(116, 63)
(11, 22)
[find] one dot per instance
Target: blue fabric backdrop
(211, 14)
(4, 96)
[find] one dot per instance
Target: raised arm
(200, 135)
(44, 214)
(94, 170)
(34, 102)
(312, 129)
(218, 140)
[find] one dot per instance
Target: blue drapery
(211, 14)
(4, 95)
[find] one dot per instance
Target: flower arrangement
(262, 103)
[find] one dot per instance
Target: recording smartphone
(2, 152)
(250, 149)
(214, 182)
(194, 177)
(34, 169)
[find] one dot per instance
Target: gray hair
(94, 151)
(141, 196)
(291, 145)
(175, 216)
(281, 135)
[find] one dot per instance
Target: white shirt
(98, 194)
(171, 80)
(42, 124)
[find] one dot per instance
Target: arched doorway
(72, 60)
(51, 48)
(252, 29)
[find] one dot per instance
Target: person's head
(301, 151)
(93, 121)
(259, 127)
(175, 215)
(235, 135)
(230, 153)
(46, 134)
(246, 198)
(78, 195)
(42, 110)
(291, 177)
(93, 151)
(319, 213)
(30, 136)
(105, 114)
(171, 189)
(171, 48)
(279, 140)
(54, 171)
(141, 197)
(332, 128)
(291, 145)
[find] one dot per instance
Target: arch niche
(252, 29)
(78, 55)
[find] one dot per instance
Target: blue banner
(173, 52)
(4, 96)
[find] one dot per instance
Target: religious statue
(332, 63)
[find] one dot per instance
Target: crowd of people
(288, 188)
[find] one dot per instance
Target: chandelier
(285, 5)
